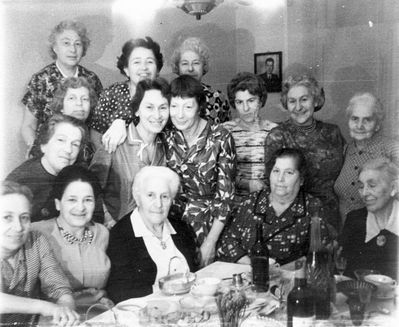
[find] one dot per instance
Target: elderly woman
(68, 43)
(78, 243)
(370, 234)
(285, 212)
(321, 143)
(203, 154)
(145, 245)
(140, 59)
(74, 97)
(60, 139)
(192, 58)
(247, 94)
(365, 115)
(143, 147)
(28, 267)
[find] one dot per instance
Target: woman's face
(154, 200)
(142, 65)
(300, 104)
(68, 48)
(191, 64)
(362, 122)
(247, 106)
(77, 103)
(76, 205)
(14, 221)
(375, 189)
(62, 149)
(285, 179)
(184, 113)
(153, 111)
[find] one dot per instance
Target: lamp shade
(198, 8)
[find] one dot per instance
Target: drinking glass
(356, 309)
(340, 264)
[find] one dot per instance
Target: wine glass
(340, 264)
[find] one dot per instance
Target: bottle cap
(237, 280)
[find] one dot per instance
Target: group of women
(144, 178)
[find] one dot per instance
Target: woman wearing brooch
(370, 235)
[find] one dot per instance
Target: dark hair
(299, 158)
(269, 59)
(129, 46)
(158, 83)
(310, 83)
(57, 103)
(247, 82)
(72, 174)
(186, 86)
(47, 130)
(10, 187)
(78, 27)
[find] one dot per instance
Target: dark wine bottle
(300, 300)
(260, 262)
(319, 272)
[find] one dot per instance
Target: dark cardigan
(133, 272)
(367, 255)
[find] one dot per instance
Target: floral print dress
(207, 173)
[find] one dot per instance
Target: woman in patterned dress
(365, 115)
(203, 155)
(29, 270)
(140, 59)
(285, 212)
(321, 143)
(192, 58)
(68, 43)
(247, 94)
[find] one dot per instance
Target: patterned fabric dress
(287, 235)
(323, 145)
(217, 107)
(250, 149)
(207, 173)
(346, 186)
(42, 86)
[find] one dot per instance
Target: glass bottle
(300, 300)
(319, 271)
(260, 262)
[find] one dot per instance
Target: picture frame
(269, 66)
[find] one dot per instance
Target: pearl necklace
(72, 239)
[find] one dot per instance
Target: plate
(261, 322)
(339, 278)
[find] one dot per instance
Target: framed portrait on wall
(268, 66)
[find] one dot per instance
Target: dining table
(272, 308)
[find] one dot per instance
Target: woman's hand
(115, 135)
(245, 260)
(88, 296)
(256, 185)
(62, 315)
(207, 252)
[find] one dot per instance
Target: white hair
(158, 173)
(366, 99)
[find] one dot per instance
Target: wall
(334, 40)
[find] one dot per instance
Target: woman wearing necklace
(203, 155)
(321, 143)
(145, 245)
(285, 212)
(247, 94)
(78, 243)
(143, 147)
(370, 235)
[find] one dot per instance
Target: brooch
(381, 240)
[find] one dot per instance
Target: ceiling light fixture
(197, 8)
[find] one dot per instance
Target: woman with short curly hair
(321, 143)
(192, 58)
(68, 44)
(140, 59)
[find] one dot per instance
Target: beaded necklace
(72, 239)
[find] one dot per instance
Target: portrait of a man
(271, 72)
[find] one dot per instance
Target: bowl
(176, 284)
(361, 273)
(351, 288)
(206, 286)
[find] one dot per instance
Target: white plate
(261, 322)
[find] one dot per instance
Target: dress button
(353, 183)
(360, 153)
(352, 198)
(356, 167)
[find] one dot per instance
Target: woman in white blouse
(144, 244)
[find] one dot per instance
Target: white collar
(141, 230)
(63, 74)
(372, 228)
